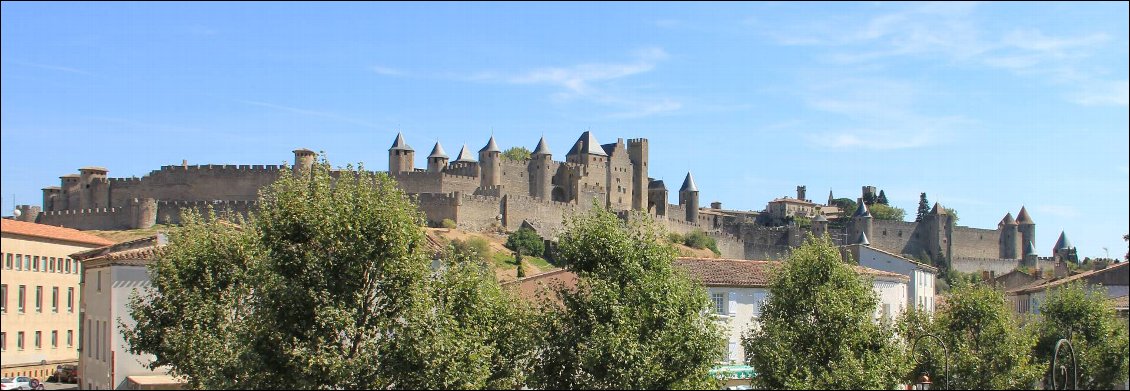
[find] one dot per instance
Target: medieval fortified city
(556, 261)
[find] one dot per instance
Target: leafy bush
(527, 241)
(474, 248)
(884, 212)
(449, 224)
(698, 239)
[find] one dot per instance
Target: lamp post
(1058, 368)
(923, 381)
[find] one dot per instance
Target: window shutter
(732, 308)
(758, 300)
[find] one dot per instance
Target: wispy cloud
(878, 113)
(1104, 93)
(52, 67)
(388, 71)
(311, 113)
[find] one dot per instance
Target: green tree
(327, 286)
(1097, 334)
(474, 248)
(884, 212)
(818, 329)
(988, 348)
(923, 207)
(700, 240)
(527, 241)
(953, 214)
(847, 206)
(883, 198)
(518, 154)
(634, 321)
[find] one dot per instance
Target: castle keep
(484, 190)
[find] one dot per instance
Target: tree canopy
(884, 212)
(923, 207)
(1097, 334)
(326, 286)
(527, 241)
(817, 329)
(634, 321)
(517, 154)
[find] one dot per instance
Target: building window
(68, 265)
(70, 338)
(19, 262)
(22, 299)
(51, 264)
(70, 299)
(8, 261)
(20, 340)
(55, 299)
(38, 339)
(4, 299)
(99, 280)
(89, 345)
(54, 339)
(3, 341)
(39, 299)
(719, 303)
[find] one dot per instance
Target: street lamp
(923, 382)
(1057, 368)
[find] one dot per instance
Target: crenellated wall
(549, 214)
(975, 242)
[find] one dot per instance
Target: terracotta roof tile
(1037, 286)
(51, 232)
(748, 273)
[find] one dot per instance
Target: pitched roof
(399, 144)
(437, 151)
(938, 209)
(542, 148)
(9, 226)
(1022, 217)
(1061, 281)
(94, 168)
(464, 156)
(861, 211)
(656, 184)
(863, 239)
(749, 273)
(904, 259)
(491, 146)
(1007, 220)
(587, 144)
(688, 184)
(1062, 243)
(1029, 248)
(529, 287)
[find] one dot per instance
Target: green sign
(733, 372)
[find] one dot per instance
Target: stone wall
(977, 265)
(549, 214)
(86, 219)
(975, 242)
(478, 212)
(169, 212)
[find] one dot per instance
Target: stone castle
(494, 191)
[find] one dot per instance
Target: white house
(740, 287)
(110, 276)
(1113, 281)
(919, 292)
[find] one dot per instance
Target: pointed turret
(688, 184)
(938, 209)
(587, 144)
(862, 240)
(830, 199)
(399, 144)
(491, 146)
(1063, 243)
(437, 160)
(862, 211)
(1010, 243)
(465, 156)
(1023, 218)
(1007, 220)
(1029, 248)
(490, 165)
(437, 151)
(542, 148)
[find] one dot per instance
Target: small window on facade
(719, 303)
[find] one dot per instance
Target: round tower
(51, 198)
(303, 160)
(688, 197)
(819, 226)
(541, 163)
(400, 156)
(437, 160)
(1010, 238)
(144, 212)
(69, 199)
(490, 164)
(860, 222)
(91, 190)
(1026, 227)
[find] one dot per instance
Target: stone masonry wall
(976, 242)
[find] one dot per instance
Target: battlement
(556, 204)
(634, 141)
(490, 191)
(224, 167)
(459, 177)
(125, 181)
(214, 203)
(480, 197)
(84, 212)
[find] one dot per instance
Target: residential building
(112, 274)
(921, 289)
(1112, 281)
(39, 314)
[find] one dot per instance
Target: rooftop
(1054, 283)
(9, 226)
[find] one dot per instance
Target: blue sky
(983, 106)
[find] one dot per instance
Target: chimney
(715, 205)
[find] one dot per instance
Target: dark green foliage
(449, 224)
(700, 240)
(1098, 335)
(476, 249)
(953, 215)
(817, 328)
(883, 198)
(527, 241)
(923, 207)
(518, 154)
(633, 322)
(847, 205)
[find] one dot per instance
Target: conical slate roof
(437, 151)
(1023, 218)
(1062, 243)
(1030, 248)
(861, 211)
(938, 209)
(399, 144)
(587, 144)
(464, 156)
(491, 146)
(1007, 220)
(863, 239)
(819, 218)
(688, 184)
(830, 199)
(542, 148)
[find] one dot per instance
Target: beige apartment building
(40, 305)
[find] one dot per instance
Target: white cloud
(388, 71)
(1104, 93)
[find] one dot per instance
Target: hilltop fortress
(496, 192)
